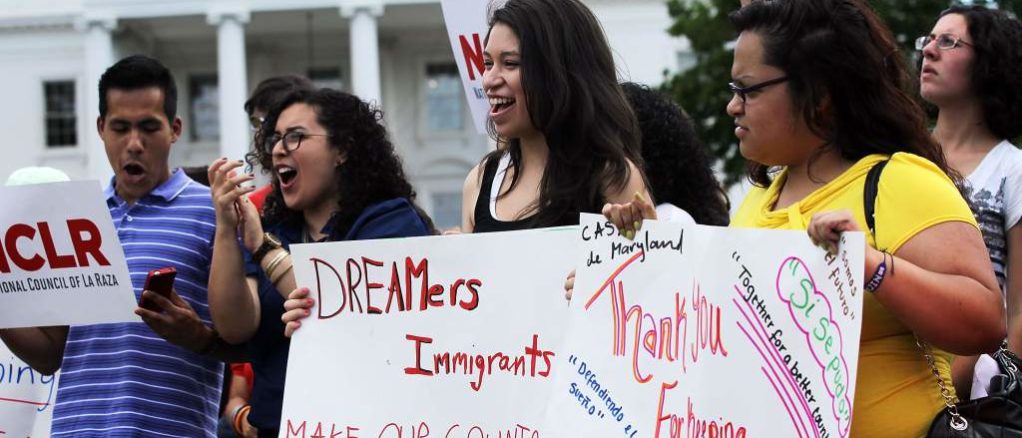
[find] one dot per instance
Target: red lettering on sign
(84, 246)
(473, 55)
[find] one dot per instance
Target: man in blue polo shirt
(135, 379)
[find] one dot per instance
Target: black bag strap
(869, 194)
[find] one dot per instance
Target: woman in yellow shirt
(819, 98)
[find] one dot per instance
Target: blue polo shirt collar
(167, 191)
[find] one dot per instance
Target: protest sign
(466, 29)
(61, 262)
(450, 336)
(702, 331)
(26, 398)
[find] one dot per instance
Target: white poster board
(466, 30)
(707, 331)
(694, 331)
(26, 398)
(472, 356)
(61, 262)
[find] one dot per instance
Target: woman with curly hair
(972, 62)
(335, 177)
(568, 142)
(676, 162)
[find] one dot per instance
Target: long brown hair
(574, 99)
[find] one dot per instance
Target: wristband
(878, 277)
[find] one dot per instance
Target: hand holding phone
(160, 281)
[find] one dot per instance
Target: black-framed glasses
(256, 122)
(292, 140)
(945, 41)
(742, 92)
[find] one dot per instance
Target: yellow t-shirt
(896, 394)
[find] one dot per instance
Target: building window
(443, 98)
(446, 210)
(326, 78)
(61, 121)
(204, 105)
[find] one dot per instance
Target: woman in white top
(972, 72)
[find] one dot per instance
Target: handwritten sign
(466, 29)
(451, 336)
(26, 398)
(703, 331)
(60, 259)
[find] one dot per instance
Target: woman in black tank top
(561, 121)
(484, 219)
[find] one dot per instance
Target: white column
(232, 80)
(365, 50)
(99, 55)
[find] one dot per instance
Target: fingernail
(636, 225)
(307, 312)
(630, 234)
(308, 301)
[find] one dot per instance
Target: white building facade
(393, 52)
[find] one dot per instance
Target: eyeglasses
(945, 41)
(255, 122)
(742, 92)
(292, 140)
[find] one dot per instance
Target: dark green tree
(702, 89)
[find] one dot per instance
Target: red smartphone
(160, 281)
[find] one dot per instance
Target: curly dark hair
(677, 163)
(573, 98)
(846, 77)
(996, 38)
(371, 173)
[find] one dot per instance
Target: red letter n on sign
(473, 55)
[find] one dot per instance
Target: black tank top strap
(484, 220)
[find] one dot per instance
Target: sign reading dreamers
(683, 332)
(60, 260)
(434, 336)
